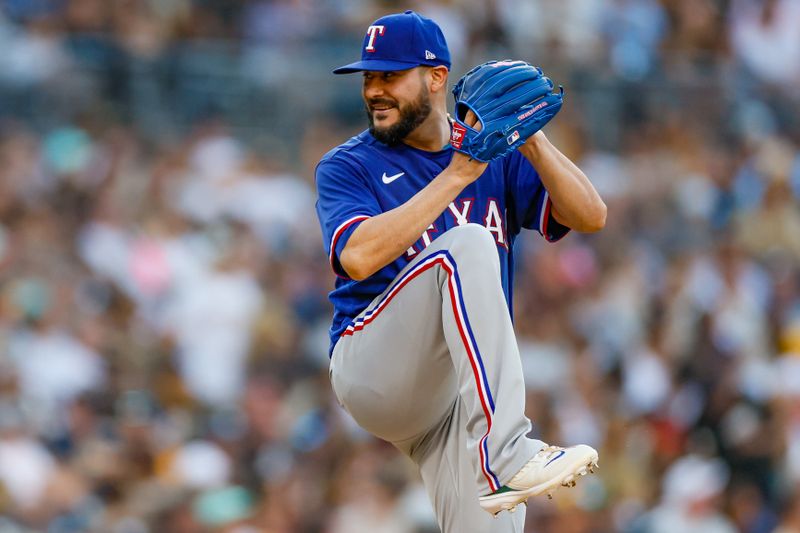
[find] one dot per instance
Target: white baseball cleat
(551, 468)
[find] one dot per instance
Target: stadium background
(163, 306)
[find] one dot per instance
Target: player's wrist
(463, 169)
(535, 145)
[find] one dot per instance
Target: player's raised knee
(474, 235)
(473, 242)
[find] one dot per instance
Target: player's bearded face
(411, 115)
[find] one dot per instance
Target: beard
(411, 115)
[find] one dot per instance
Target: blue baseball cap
(399, 42)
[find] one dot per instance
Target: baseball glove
(512, 100)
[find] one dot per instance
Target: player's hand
(462, 165)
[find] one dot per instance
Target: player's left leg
(442, 331)
(479, 332)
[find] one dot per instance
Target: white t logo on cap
(373, 32)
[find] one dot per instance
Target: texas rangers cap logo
(373, 32)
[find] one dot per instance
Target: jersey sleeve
(530, 201)
(344, 200)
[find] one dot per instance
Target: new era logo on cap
(399, 42)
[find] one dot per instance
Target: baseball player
(420, 235)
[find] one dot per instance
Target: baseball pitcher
(419, 214)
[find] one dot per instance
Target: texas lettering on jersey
(460, 216)
(363, 178)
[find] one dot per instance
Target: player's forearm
(576, 203)
(383, 238)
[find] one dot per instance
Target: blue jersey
(363, 178)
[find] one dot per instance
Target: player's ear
(437, 78)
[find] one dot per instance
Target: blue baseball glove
(512, 100)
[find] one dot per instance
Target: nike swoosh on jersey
(388, 179)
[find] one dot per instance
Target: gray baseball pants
(432, 366)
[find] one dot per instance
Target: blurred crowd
(163, 288)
